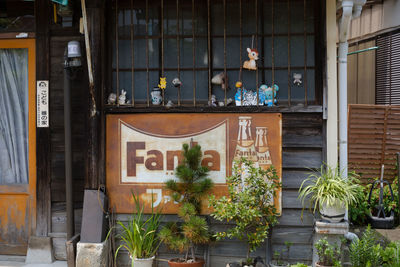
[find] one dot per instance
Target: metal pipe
(68, 150)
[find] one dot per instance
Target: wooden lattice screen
(374, 139)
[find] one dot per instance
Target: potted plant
(328, 255)
(330, 192)
(249, 204)
(278, 261)
(139, 236)
(188, 191)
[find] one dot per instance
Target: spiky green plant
(365, 251)
(327, 186)
(191, 187)
(139, 236)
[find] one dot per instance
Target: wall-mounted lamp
(73, 58)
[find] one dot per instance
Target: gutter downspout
(351, 9)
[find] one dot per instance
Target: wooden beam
(95, 137)
(43, 149)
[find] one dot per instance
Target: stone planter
(334, 213)
(143, 262)
(275, 264)
(176, 263)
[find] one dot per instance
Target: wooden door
(17, 145)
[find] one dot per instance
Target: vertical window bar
(147, 53)
(241, 49)
(178, 46)
(209, 48)
(272, 45)
(194, 54)
(162, 48)
(262, 44)
(288, 47)
(305, 55)
(133, 58)
(390, 69)
(225, 74)
(256, 47)
(116, 47)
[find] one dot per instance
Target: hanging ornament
(163, 83)
(220, 79)
(253, 56)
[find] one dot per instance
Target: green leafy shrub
(328, 255)
(191, 187)
(299, 265)
(249, 204)
(365, 251)
(391, 255)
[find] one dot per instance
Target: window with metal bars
(194, 40)
(388, 69)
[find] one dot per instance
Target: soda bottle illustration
(245, 144)
(261, 145)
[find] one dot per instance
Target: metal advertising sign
(143, 151)
(42, 104)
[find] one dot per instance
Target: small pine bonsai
(191, 187)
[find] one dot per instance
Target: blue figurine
(270, 95)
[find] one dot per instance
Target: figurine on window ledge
(253, 56)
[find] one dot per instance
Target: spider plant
(139, 236)
(328, 187)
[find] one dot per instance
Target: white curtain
(13, 116)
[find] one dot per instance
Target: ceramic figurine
(262, 93)
(163, 83)
(220, 79)
(169, 104)
(111, 99)
(122, 97)
(250, 98)
(213, 101)
(238, 96)
(221, 103)
(229, 101)
(176, 82)
(253, 56)
(156, 97)
(297, 79)
(270, 95)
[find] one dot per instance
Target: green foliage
(327, 186)
(391, 255)
(249, 203)
(364, 251)
(139, 236)
(299, 265)
(191, 187)
(359, 211)
(328, 255)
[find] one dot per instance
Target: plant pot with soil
(331, 192)
(191, 186)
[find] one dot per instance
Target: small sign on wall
(143, 151)
(42, 104)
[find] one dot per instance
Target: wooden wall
(303, 146)
(361, 74)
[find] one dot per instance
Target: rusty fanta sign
(143, 151)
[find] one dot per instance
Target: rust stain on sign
(143, 151)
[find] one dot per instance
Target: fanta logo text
(156, 160)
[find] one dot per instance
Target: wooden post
(95, 151)
(43, 149)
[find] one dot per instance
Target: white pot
(275, 264)
(143, 262)
(334, 213)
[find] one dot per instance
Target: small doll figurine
(253, 56)
(163, 83)
(270, 95)
(122, 97)
(238, 95)
(262, 94)
(297, 79)
(213, 101)
(220, 79)
(111, 99)
(176, 82)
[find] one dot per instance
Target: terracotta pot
(175, 263)
(319, 265)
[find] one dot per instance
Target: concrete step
(19, 261)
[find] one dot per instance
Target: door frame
(30, 188)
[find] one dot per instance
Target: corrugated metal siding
(302, 150)
(388, 69)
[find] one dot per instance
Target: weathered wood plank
(293, 179)
(301, 159)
